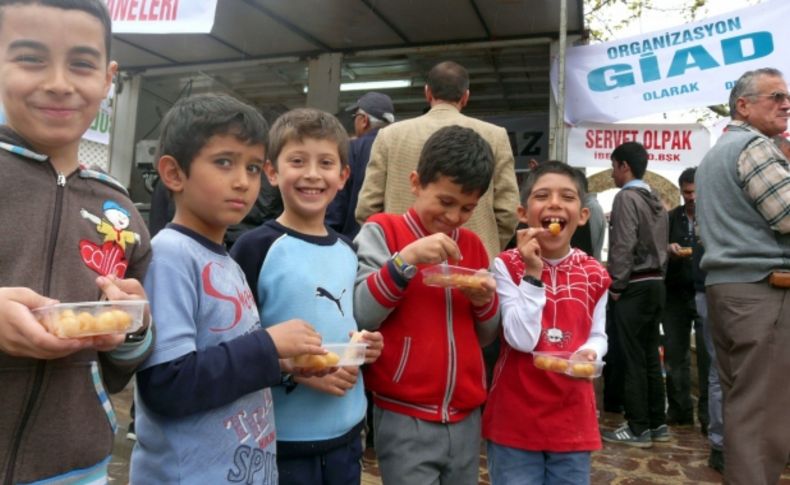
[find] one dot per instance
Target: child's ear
(345, 171)
(112, 70)
(271, 172)
(522, 214)
(584, 216)
(414, 180)
(170, 173)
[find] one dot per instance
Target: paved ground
(683, 460)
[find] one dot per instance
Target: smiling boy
(429, 384)
(553, 299)
(56, 421)
(300, 268)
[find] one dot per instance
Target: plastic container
(338, 355)
(86, 319)
(449, 276)
(562, 363)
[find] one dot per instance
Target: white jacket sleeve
(598, 341)
(522, 309)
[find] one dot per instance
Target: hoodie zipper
(38, 379)
(451, 365)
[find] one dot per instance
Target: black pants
(680, 314)
(636, 316)
(614, 370)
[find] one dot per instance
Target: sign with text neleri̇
(162, 16)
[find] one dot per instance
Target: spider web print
(574, 285)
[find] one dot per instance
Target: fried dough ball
(583, 369)
(555, 228)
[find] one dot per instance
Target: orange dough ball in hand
(555, 228)
(559, 365)
(583, 369)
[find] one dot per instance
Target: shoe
(624, 435)
(716, 460)
(130, 434)
(660, 434)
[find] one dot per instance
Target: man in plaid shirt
(743, 210)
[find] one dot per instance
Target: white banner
(668, 146)
(691, 65)
(162, 16)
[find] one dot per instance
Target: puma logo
(321, 292)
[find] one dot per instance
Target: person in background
(637, 261)
(371, 112)
(715, 418)
(396, 151)
(681, 317)
(743, 207)
(590, 236)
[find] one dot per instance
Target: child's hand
(21, 335)
(336, 384)
(287, 366)
(585, 354)
(529, 249)
(431, 249)
(295, 337)
(375, 343)
(115, 289)
(481, 296)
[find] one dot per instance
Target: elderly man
(371, 112)
(743, 208)
(397, 148)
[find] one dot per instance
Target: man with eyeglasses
(743, 209)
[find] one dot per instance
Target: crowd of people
(233, 383)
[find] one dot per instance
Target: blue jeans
(716, 424)
(511, 466)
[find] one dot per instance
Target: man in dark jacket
(638, 238)
(371, 112)
(680, 314)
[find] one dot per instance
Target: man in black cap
(371, 112)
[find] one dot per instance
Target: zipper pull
(61, 179)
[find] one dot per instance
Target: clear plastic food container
(338, 355)
(562, 363)
(86, 319)
(449, 276)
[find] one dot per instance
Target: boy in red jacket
(429, 382)
(542, 425)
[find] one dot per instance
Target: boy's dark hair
(460, 154)
(301, 123)
(190, 123)
(448, 81)
(687, 176)
(554, 166)
(634, 154)
(96, 8)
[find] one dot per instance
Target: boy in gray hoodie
(638, 234)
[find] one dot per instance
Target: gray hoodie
(638, 235)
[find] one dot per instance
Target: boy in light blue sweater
(300, 268)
